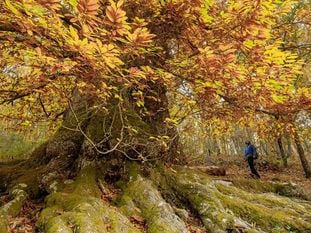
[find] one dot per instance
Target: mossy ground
(162, 198)
(222, 206)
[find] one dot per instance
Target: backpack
(255, 153)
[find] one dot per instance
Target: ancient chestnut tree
(115, 78)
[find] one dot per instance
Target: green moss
(269, 200)
(68, 201)
(118, 222)
(85, 221)
(85, 183)
(13, 207)
(141, 192)
(221, 205)
(3, 222)
(167, 192)
(284, 189)
(127, 206)
(159, 215)
(264, 217)
(190, 185)
(133, 170)
(47, 214)
(78, 208)
(57, 225)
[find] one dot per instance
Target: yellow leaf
(278, 99)
(12, 8)
(120, 3)
(29, 32)
(73, 33)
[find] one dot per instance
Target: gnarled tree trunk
(121, 131)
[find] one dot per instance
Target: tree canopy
(214, 59)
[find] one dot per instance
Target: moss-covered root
(13, 207)
(283, 189)
(199, 190)
(269, 211)
(286, 205)
(78, 208)
(223, 206)
(159, 215)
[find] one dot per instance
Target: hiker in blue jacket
(250, 155)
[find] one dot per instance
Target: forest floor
(237, 168)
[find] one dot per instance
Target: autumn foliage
(215, 59)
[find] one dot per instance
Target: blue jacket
(250, 150)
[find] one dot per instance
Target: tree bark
(301, 153)
(289, 147)
(282, 152)
(263, 146)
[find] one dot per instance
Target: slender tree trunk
(218, 147)
(210, 148)
(289, 147)
(282, 152)
(301, 153)
(306, 145)
(234, 146)
(224, 146)
(264, 148)
(272, 148)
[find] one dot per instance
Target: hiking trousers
(250, 160)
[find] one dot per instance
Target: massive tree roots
(78, 208)
(159, 199)
(222, 206)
